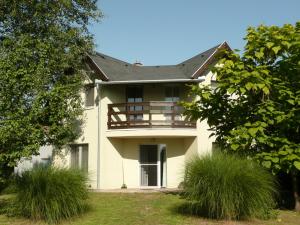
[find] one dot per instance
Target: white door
(152, 166)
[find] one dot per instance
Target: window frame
(80, 150)
(89, 100)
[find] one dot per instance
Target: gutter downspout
(98, 85)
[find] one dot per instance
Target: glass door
(172, 95)
(153, 167)
(135, 95)
(149, 170)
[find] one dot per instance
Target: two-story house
(134, 132)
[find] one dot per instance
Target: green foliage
(42, 48)
(255, 110)
(51, 194)
(5, 175)
(226, 187)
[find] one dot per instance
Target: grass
(145, 209)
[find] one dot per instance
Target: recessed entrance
(153, 165)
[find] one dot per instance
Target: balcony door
(134, 94)
(172, 95)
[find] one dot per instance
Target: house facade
(133, 132)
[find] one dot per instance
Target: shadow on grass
(192, 209)
(172, 192)
(187, 208)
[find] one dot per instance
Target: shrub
(51, 194)
(227, 187)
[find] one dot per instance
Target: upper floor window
(89, 100)
(172, 94)
(134, 94)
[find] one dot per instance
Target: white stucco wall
(121, 160)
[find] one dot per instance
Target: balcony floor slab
(152, 133)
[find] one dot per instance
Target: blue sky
(163, 32)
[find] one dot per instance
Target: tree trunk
(296, 191)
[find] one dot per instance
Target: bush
(226, 187)
(51, 194)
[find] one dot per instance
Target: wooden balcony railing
(154, 114)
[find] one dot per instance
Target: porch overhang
(152, 133)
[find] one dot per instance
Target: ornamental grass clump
(227, 187)
(51, 194)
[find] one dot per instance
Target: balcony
(153, 114)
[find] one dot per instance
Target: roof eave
(153, 81)
(210, 60)
(97, 69)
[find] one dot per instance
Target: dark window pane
(135, 94)
(176, 92)
(149, 175)
(169, 92)
(172, 93)
(148, 154)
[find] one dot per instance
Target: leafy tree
(42, 47)
(255, 109)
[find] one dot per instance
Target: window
(135, 95)
(80, 157)
(172, 95)
(89, 96)
(45, 161)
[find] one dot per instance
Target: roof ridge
(111, 58)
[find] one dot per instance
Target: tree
(255, 109)
(42, 46)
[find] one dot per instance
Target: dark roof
(193, 64)
(117, 70)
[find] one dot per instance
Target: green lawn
(145, 209)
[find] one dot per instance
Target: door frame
(160, 147)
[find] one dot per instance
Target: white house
(134, 132)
